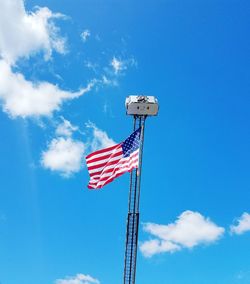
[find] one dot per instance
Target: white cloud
(78, 279)
(189, 230)
(24, 33)
(100, 138)
(155, 246)
(243, 224)
(24, 98)
(65, 128)
(85, 35)
(64, 155)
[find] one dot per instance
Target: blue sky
(66, 68)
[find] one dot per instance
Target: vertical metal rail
(133, 212)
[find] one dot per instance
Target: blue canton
(132, 143)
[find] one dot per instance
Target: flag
(107, 164)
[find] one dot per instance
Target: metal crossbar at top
(133, 212)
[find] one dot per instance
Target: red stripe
(104, 165)
(113, 177)
(102, 178)
(116, 162)
(102, 151)
(104, 157)
(100, 186)
(97, 174)
(122, 170)
(125, 169)
(111, 156)
(111, 171)
(109, 180)
(106, 171)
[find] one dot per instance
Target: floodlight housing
(141, 105)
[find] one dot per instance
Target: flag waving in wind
(107, 164)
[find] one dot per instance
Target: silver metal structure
(140, 107)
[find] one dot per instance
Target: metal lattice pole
(133, 211)
(140, 107)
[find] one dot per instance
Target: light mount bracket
(141, 105)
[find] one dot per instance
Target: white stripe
(103, 167)
(123, 170)
(109, 159)
(119, 165)
(115, 150)
(123, 167)
(108, 176)
(134, 155)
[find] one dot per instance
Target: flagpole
(137, 189)
(133, 212)
(139, 170)
(140, 107)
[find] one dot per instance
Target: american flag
(107, 164)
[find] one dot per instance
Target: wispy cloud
(78, 279)
(119, 65)
(100, 138)
(90, 65)
(108, 81)
(65, 128)
(85, 35)
(242, 226)
(189, 230)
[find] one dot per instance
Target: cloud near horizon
(78, 279)
(189, 230)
